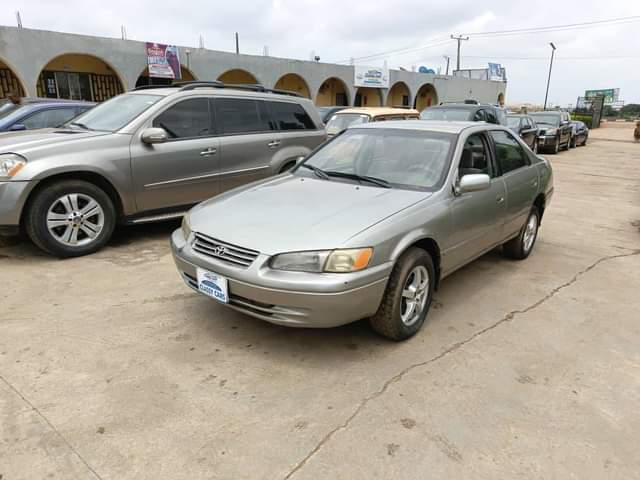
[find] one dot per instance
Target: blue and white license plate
(213, 285)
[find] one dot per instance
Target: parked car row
(292, 229)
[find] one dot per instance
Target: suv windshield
(401, 158)
(550, 119)
(340, 121)
(447, 114)
(114, 114)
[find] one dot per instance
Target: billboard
(611, 95)
(495, 72)
(163, 61)
(371, 77)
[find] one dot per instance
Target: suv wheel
(556, 147)
(70, 218)
(520, 247)
(407, 297)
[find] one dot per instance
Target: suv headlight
(333, 261)
(551, 131)
(10, 165)
(186, 226)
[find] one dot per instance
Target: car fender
(286, 155)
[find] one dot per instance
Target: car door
(183, 170)
(527, 133)
(520, 179)
(476, 217)
(248, 140)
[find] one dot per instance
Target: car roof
(429, 125)
(380, 111)
(36, 101)
(227, 91)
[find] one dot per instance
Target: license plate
(213, 285)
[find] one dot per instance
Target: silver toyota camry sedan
(367, 226)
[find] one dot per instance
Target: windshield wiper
(81, 125)
(318, 171)
(354, 176)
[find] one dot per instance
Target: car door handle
(274, 144)
(209, 151)
(500, 199)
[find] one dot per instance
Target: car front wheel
(556, 147)
(70, 218)
(407, 297)
(521, 246)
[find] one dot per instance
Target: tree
(630, 110)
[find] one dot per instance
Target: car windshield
(114, 114)
(401, 158)
(340, 121)
(447, 114)
(547, 119)
(513, 122)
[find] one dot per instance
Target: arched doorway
(79, 77)
(9, 81)
(368, 97)
(144, 78)
(398, 95)
(501, 99)
(293, 83)
(426, 97)
(237, 76)
(332, 92)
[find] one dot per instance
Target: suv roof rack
(192, 85)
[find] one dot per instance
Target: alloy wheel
(75, 219)
(414, 295)
(530, 231)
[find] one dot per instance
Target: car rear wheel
(521, 246)
(407, 297)
(70, 218)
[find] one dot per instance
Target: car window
(186, 119)
(53, 117)
(340, 121)
(447, 114)
(474, 157)
(291, 116)
(237, 115)
(509, 154)
(491, 116)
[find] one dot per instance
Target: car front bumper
(13, 196)
(296, 299)
(547, 140)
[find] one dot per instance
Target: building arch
(294, 83)
(10, 80)
(427, 96)
(79, 76)
(332, 91)
(368, 97)
(237, 76)
(399, 95)
(144, 79)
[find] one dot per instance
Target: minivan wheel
(70, 218)
(521, 246)
(407, 297)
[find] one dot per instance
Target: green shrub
(582, 118)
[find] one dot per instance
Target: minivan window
(291, 116)
(186, 119)
(115, 113)
(236, 115)
(509, 153)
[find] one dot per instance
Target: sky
(607, 56)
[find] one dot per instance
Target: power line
(398, 52)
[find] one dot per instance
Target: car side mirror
(473, 182)
(154, 135)
(17, 127)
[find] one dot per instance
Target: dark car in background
(526, 128)
(470, 111)
(554, 130)
(33, 113)
(327, 112)
(580, 134)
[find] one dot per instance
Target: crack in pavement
(46, 420)
(453, 348)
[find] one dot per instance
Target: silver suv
(147, 155)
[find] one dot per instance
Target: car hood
(30, 141)
(293, 213)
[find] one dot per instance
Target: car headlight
(11, 164)
(186, 226)
(333, 261)
(551, 131)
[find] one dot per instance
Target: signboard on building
(371, 77)
(611, 95)
(495, 72)
(163, 61)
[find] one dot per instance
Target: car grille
(225, 252)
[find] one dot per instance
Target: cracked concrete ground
(110, 368)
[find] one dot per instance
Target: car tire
(585, 141)
(397, 317)
(520, 247)
(567, 144)
(556, 147)
(535, 147)
(70, 218)
(574, 142)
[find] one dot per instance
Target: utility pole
(18, 19)
(459, 39)
(447, 58)
(237, 44)
(546, 95)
